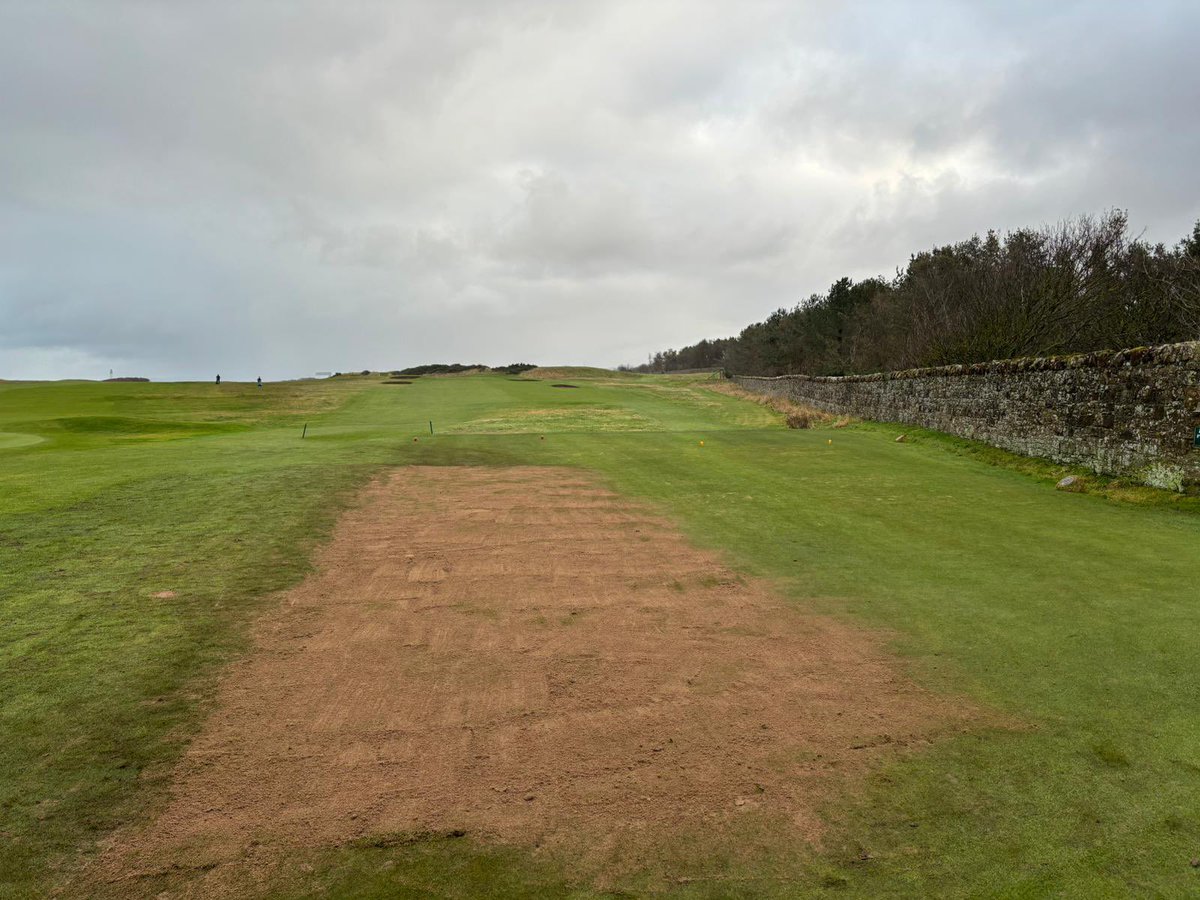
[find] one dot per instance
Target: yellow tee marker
(830, 441)
(702, 443)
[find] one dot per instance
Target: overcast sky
(283, 188)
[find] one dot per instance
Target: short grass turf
(1074, 616)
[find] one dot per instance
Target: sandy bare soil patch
(525, 656)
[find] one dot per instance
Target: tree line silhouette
(1083, 284)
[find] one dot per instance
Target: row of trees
(704, 355)
(1084, 284)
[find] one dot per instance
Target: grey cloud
(283, 188)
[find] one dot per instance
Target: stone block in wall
(1114, 411)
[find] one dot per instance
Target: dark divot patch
(565, 385)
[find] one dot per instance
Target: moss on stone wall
(1114, 411)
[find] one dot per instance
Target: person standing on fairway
(260, 381)
(218, 379)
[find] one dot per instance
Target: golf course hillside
(577, 633)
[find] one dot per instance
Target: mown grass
(1124, 489)
(100, 681)
(1072, 615)
(117, 492)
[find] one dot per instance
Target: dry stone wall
(1114, 411)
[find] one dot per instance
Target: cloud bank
(283, 188)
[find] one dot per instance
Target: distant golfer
(218, 379)
(260, 381)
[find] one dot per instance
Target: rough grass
(1073, 614)
(795, 415)
(548, 372)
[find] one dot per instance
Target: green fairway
(1075, 619)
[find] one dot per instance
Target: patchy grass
(579, 418)
(1075, 615)
(101, 681)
